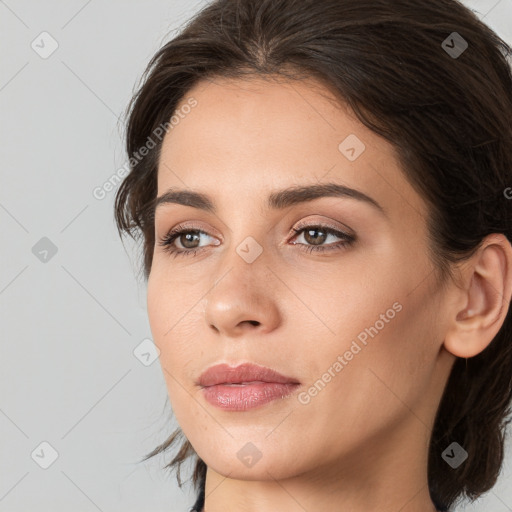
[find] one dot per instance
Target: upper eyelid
(297, 230)
(324, 224)
(179, 228)
(302, 223)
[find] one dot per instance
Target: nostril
(253, 322)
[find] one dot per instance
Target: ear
(485, 294)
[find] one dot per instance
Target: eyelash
(167, 241)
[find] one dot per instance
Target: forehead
(266, 108)
(265, 134)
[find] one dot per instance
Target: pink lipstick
(245, 386)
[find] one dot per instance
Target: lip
(245, 386)
(242, 374)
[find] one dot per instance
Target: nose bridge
(242, 270)
(247, 256)
(240, 294)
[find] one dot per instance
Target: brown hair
(446, 109)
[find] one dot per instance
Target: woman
(320, 189)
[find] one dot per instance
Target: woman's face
(355, 319)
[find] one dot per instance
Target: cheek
(176, 319)
(387, 342)
(373, 392)
(159, 305)
(169, 302)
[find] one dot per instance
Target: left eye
(317, 241)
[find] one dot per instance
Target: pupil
(316, 240)
(189, 238)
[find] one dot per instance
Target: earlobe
(486, 298)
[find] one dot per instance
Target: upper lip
(244, 373)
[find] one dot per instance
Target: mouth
(245, 386)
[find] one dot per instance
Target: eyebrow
(276, 200)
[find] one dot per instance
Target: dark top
(199, 504)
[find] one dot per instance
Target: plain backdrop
(82, 398)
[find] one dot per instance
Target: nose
(242, 299)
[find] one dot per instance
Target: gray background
(71, 370)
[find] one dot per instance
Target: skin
(361, 443)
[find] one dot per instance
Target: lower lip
(246, 396)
